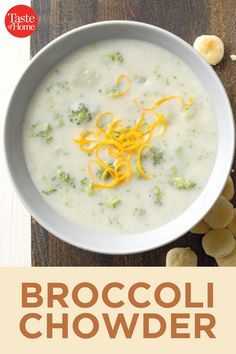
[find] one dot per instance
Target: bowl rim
(26, 203)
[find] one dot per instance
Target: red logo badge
(21, 21)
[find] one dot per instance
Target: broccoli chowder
(120, 136)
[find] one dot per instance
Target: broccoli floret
(84, 181)
(183, 183)
(61, 179)
(49, 191)
(114, 203)
(87, 186)
(65, 178)
(139, 211)
(158, 196)
(58, 86)
(116, 58)
(80, 113)
(155, 154)
(113, 91)
(33, 132)
(44, 134)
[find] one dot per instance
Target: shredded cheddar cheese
(122, 143)
(164, 100)
(116, 92)
(139, 163)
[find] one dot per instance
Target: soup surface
(120, 136)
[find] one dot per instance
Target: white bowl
(69, 231)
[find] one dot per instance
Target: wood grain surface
(186, 18)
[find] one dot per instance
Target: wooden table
(186, 18)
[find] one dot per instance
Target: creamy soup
(120, 136)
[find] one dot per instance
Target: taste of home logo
(21, 21)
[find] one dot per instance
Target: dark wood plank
(186, 18)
